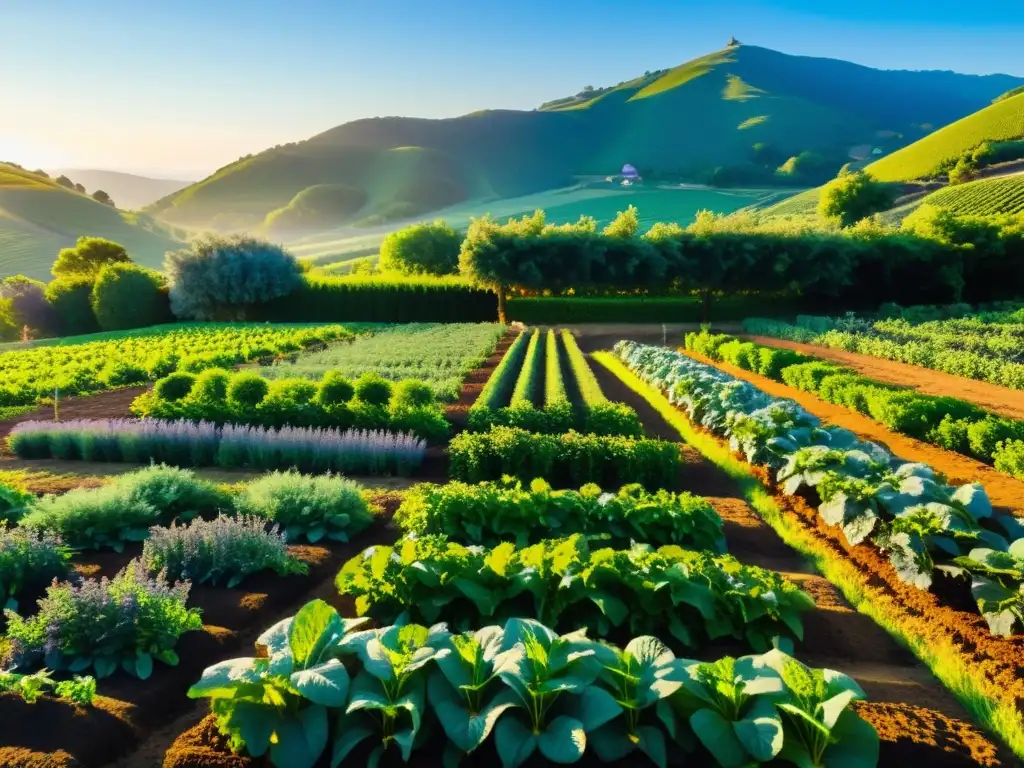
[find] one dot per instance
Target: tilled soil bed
(53, 734)
(458, 412)
(916, 717)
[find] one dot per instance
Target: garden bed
(458, 412)
(129, 709)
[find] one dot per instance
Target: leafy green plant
(307, 507)
(13, 503)
(278, 701)
(79, 690)
(998, 586)
(489, 513)
(28, 559)
(129, 621)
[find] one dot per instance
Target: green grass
(985, 197)
(1002, 121)
(684, 73)
(948, 663)
(39, 217)
(802, 204)
(439, 354)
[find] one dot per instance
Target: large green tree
(431, 249)
(88, 257)
(851, 197)
(129, 296)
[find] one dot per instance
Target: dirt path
(910, 708)
(992, 397)
(1006, 493)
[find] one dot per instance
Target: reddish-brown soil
(903, 695)
(1002, 400)
(130, 711)
(458, 412)
(1006, 493)
(103, 405)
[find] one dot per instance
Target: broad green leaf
(652, 744)
(563, 741)
(594, 707)
(325, 684)
(256, 724)
(314, 726)
(292, 750)
(718, 737)
(222, 678)
(349, 732)
(143, 666)
(760, 730)
(856, 744)
(366, 693)
(611, 741)
(314, 628)
(514, 742)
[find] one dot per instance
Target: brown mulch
(1006, 493)
(992, 397)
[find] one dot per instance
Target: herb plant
(28, 559)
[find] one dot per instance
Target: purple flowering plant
(129, 621)
(214, 551)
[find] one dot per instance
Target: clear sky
(180, 88)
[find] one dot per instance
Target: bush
(175, 387)
(984, 436)
(119, 374)
(612, 419)
(125, 509)
(951, 434)
(1009, 458)
(565, 460)
(88, 258)
(310, 508)
(29, 560)
(334, 390)
(742, 354)
(247, 390)
(807, 377)
(411, 393)
(225, 277)
(771, 361)
(373, 389)
(226, 549)
(852, 197)
(212, 386)
(71, 299)
(13, 503)
(23, 303)
(426, 421)
(127, 296)
(431, 249)
(127, 622)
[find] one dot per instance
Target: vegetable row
(950, 423)
(320, 685)
(137, 357)
(370, 402)
(528, 390)
(203, 444)
(923, 525)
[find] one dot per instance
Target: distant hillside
(1002, 121)
(129, 192)
(985, 197)
(38, 217)
(731, 118)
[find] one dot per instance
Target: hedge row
(650, 309)
(382, 300)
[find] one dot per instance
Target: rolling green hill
(985, 197)
(1001, 121)
(733, 116)
(38, 217)
(129, 191)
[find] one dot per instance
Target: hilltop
(740, 116)
(128, 190)
(38, 217)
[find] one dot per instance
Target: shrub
(162, 364)
(124, 509)
(29, 560)
(126, 622)
(71, 298)
(426, 421)
(88, 258)
(984, 436)
(305, 507)
(410, 393)
(23, 303)
(807, 377)
(951, 434)
(852, 197)
(565, 460)
(771, 361)
(742, 354)
(13, 503)
(224, 277)
(373, 389)
(211, 386)
(334, 389)
(609, 418)
(247, 390)
(431, 249)
(128, 296)
(175, 387)
(1009, 458)
(226, 549)
(120, 374)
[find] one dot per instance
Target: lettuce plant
(78, 690)
(278, 701)
(998, 586)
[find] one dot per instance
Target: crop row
(124, 360)
(202, 444)
(438, 355)
(322, 686)
(986, 352)
(541, 400)
(953, 424)
(370, 402)
(986, 197)
(921, 524)
(214, 536)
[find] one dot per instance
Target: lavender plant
(125, 509)
(128, 621)
(213, 551)
(308, 507)
(28, 559)
(201, 444)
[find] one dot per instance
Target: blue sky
(179, 89)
